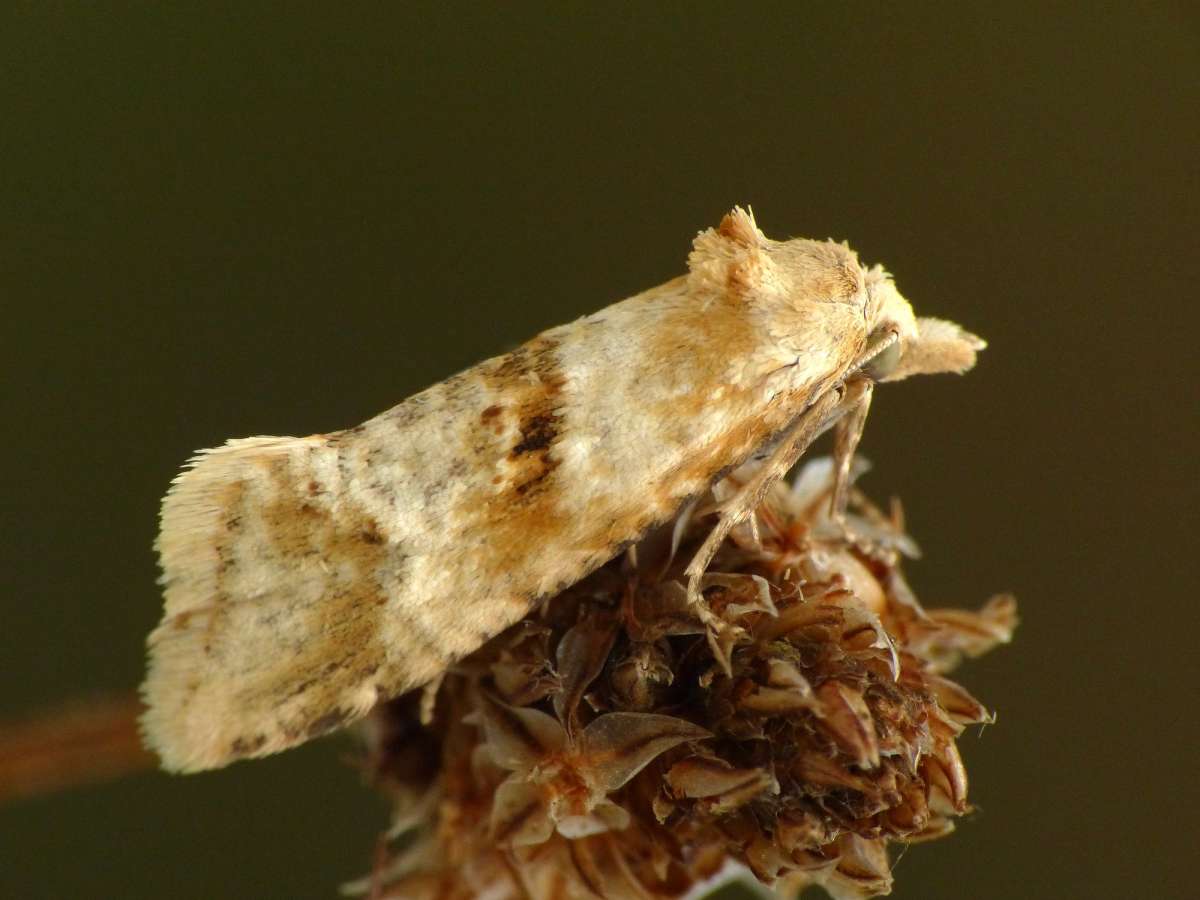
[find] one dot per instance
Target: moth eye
(885, 359)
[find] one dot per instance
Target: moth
(307, 578)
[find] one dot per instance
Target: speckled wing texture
(308, 578)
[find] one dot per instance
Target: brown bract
(603, 748)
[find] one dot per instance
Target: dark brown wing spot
(537, 433)
(244, 746)
(530, 381)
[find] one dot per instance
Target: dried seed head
(601, 748)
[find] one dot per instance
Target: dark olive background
(267, 218)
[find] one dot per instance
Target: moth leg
(806, 429)
(846, 435)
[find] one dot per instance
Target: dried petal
(861, 622)
(835, 560)
(724, 787)
(813, 485)
(817, 770)
(520, 814)
(962, 708)
(947, 779)
(770, 701)
(849, 720)
(795, 832)
(955, 633)
(752, 593)
(722, 640)
(784, 673)
(937, 827)
(581, 655)
(619, 745)
(797, 617)
(704, 776)
(518, 737)
(901, 596)
(862, 870)
(605, 816)
(767, 861)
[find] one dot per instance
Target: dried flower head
(609, 745)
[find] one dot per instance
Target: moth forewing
(307, 578)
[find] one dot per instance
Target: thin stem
(82, 743)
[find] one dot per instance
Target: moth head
(806, 297)
(814, 309)
(899, 344)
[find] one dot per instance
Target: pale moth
(308, 578)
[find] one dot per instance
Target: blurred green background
(224, 220)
